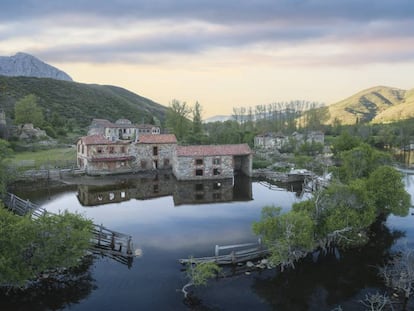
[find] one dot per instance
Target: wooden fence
(239, 253)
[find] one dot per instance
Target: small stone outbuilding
(212, 161)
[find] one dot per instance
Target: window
(216, 171)
(82, 149)
(166, 162)
(79, 146)
(199, 197)
(99, 149)
(199, 161)
(199, 172)
(122, 149)
(111, 196)
(199, 187)
(216, 185)
(155, 188)
(123, 194)
(154, 151)
(216, 161)
(111, 149)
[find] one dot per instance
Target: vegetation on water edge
(341, 214)
(30, 247)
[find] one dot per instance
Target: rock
(249, 264)
(28, 131)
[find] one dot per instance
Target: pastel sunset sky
(222, 53)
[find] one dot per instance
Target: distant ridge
(218, 118)
(379, 104)
(26, 65)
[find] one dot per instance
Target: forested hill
(78, 101)
(380, 104)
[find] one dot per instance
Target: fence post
(129, 246)
(99, 235)
(113, 241)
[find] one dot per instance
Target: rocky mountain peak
(23, 64)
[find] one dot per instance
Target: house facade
(270, 140)
(153, 152)
(99, 156)
(212, 161)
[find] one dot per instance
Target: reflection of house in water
(183, 192)
(125, 190)
(213, 191)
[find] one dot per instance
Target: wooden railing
(105, 242)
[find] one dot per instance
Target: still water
(169, 220)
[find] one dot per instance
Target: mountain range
(26, 65)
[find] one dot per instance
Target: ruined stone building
(212, 162)
(111, 150)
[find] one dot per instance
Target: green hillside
(372, 105)
(77, 101)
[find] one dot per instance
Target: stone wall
(146, 158)
(211, 167)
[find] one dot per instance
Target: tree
(30, 247)
(5, 153)
(27, 111)
(316, 117)
(288, 236)
(387, 190)
(196, 136)
(345, 142)
(198, 274)
(359, 162)
(177, 119)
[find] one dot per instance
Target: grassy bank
(44, 158)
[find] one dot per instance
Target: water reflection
(183, 192)
(53, 293)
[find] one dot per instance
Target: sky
(221, 53)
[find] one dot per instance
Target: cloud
(157, 30)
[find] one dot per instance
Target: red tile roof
(99, 140)
(213, 150)
(157, 139)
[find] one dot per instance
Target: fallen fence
(105, 242)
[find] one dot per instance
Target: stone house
(122, 129)
(278, 140)
(154, 151)
(148, 129)
(270, 140)
(98, 155)
(309, 137)
(212, 161)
